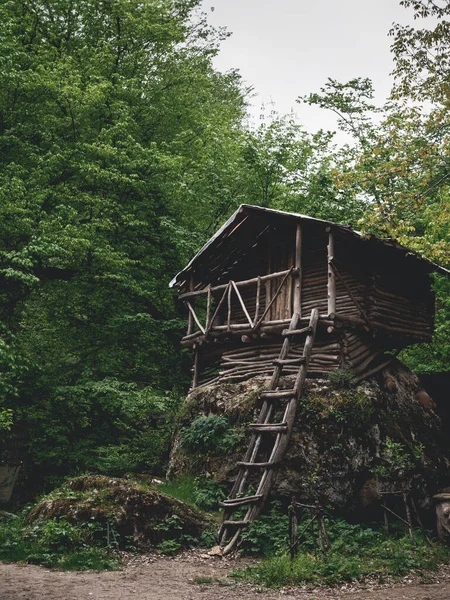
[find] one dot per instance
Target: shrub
(210, 435)
(55, 543)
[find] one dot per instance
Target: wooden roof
(248, 223)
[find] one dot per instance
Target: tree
(106, 115)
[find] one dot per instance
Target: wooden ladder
(240, 496)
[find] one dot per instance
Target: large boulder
(350, 443)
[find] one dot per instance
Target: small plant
(203, 580)
(397, 461)
(210, 435)
(168, 547)
(208, 493)
(341, 379)
(269, 533)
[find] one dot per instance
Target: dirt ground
(179, 578)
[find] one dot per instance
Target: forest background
(122, 151)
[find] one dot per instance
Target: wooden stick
(331, 277)
(208, 309)
(244, 308)
(258, 298)
(229, 307)
(190, 318)
(192, 311)
(195, 377)
(258, 323)
(297, 308)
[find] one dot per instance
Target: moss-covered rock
(348, 445)
(145, 516)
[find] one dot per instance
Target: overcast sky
(288, 48)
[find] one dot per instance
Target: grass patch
(200, 492)
(204, 580)
(182, 489)
(357, 552)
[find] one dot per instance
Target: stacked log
(400, 316)
(249, 361)
(360, 352)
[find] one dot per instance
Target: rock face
(348, 446)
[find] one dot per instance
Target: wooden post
(208, 309)
(229, 307)
(258, 298)
(190, 317)
(298, 265)
(195, 375)
(331, 275)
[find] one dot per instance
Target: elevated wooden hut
(274, 293)
(263, 265)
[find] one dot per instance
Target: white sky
(288, 48)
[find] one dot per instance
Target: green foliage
(208, 493)
(356, 552)
(201, 492)
(6, 419)
(268, 534)
(212, 435)
(341, 379)
(398, 461)
(168, 547)
(349, 406)
(55, 543)
(112, 118)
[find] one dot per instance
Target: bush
(55, 543)
(269, 533)
(210, 435)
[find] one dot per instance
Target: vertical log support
(297, 304)
(195, 374)
(331, 275)
(190, 317)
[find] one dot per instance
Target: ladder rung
(255, 465)
(278, 394)
(232, 502)
(269, 427)
(294, 332)
(235, 523)
(289, 361)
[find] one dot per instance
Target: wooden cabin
(264, 265)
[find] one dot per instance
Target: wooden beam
(229, 307)
(195, 375)
(258, 298)
(190, 318)
(331, 275)
(297, 308)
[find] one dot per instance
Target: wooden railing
(201, 325)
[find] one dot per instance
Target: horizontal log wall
(245, 361)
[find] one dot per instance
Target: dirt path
(158, 578)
